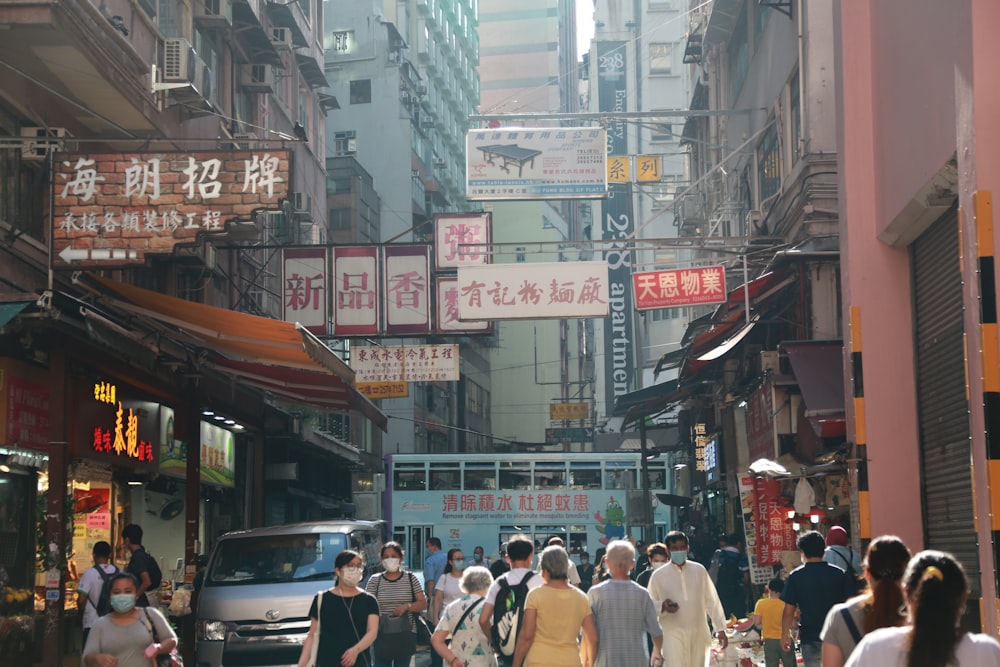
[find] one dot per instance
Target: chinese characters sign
(700, 442)
(376, 390)
(548, 163)
(774, 534)
(505, 506)
(448, 321)
(543, 290)
(115, 208)
(407, 289)
(559, 411)
(461, 239)
(679, 287)
(355, 291)
(304, 283)
(406, 363)
(118, 428)
(25, 408)
(758, 574)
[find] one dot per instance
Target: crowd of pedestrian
(844, 609)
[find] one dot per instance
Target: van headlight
(211, 631)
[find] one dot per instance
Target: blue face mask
(477, 557)
(678, 557)
(458, 563)
(122, 603)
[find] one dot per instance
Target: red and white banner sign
(774, 533)
(407, 290)
(304, 279)
(406, 363)
(355, 291)
(461, 240)
(545, 290)
(679, 287)
(447, 310)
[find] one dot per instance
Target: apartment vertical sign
(113, 209)
(617, 226)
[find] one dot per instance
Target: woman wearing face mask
(448, 587)
(124, 638)
(398, 593)
(344, 620)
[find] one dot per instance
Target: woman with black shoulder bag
(399, 596)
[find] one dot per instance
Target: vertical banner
(355, 291)
(447, 321)
(759, 574)
(761, 438)
(304, 280)
(407, 290)
(774, 534)
(617, 223)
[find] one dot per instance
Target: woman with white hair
(623, 613)
(469, 647)
(554, 614)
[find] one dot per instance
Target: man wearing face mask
(684, 596)
(657, 556)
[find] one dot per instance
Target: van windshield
(275, 559)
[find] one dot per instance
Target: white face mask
(391, 564)
(655, 564)
(351, 575)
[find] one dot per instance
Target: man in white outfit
(684, 596)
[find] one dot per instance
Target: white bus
(471, 500)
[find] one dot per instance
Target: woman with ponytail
(878, 607)
(936, 590)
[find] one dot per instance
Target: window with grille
(768, 166)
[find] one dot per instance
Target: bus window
(550, 475)
(585, 474)
(480, 476)
(409, 477)
(578, 541)
(619, 475)
(445, 477)
(515, 475)
(658, 475)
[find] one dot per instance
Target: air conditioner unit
(179, 60)
(753, 220)
(281, 37)
(421, 89)
(43, 140)
(427, 123)
(213, 13)
(241, 139)
(301, 202)
(259, 78)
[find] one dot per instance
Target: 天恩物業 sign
(679, 287)
(116, 208)
(541, 163)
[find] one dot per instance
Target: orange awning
(281, 357)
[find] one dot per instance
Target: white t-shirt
(887, 647)
(91, 584)
(513, 577)
(450, 589)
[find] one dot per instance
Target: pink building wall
(916, 88)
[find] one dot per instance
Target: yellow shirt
(560, 613)
(769, 610)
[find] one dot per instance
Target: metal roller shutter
(945, 451)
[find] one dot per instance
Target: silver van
(253, 609)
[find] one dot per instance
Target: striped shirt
(623, 613)
(390, 594)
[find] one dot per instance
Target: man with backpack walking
(730, 570)
(839, 553)
(93, 592)
(503, 609)
(143, 566)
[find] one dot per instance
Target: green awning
(11, 309)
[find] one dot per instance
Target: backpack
(508, 614)
(729, 577)
(155, 575)
(103, 603)
(856, 577)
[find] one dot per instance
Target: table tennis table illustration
(510, 154)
